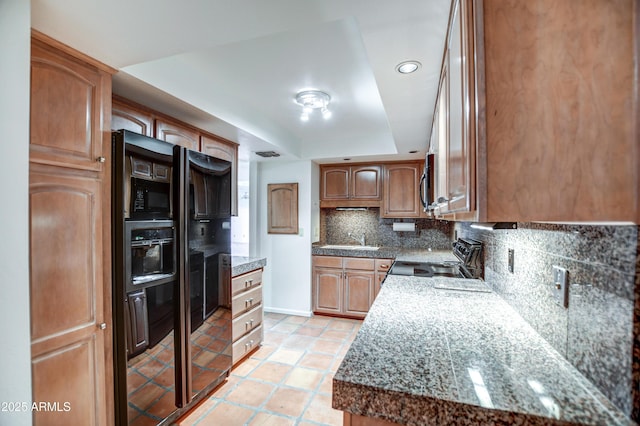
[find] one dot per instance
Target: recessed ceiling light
(407, 67)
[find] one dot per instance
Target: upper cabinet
(524, 129)
(224, 150)
(69, 100)
(401, 190)
(145, 121)
(177, 134)
(128, 117)
(350, 185)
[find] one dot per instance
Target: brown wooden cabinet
(228, 151)
(129, 117)
(345, 286)
(282, 206)
(382, 268)
(69, 186)
(401, 190)
(246, 310)
(534, 135)
(176, 133)
(351, 185)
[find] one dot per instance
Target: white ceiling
(234, 67)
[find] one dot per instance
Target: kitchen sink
(349, 247)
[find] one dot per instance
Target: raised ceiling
(234, 67)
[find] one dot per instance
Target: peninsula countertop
(242, 264)
(432, 356)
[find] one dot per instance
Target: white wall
(15, 356)
(287, 277)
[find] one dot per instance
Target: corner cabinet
(69, 193)
(521, 131)
(246, 310)
(346, 286)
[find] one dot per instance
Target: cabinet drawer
(246, 344)
(246, 301)
(246, 322)
(246, 281)
(359, 263)
(383, 265)
(327, 261)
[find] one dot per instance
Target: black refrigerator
(171, 222)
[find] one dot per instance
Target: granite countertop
(241, 264)
(434, 356)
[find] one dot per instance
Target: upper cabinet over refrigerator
(172, 277)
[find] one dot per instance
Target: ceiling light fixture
(407, 67)
(311, 100)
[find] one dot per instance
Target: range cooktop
(469, 253)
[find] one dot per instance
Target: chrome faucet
(360, 240)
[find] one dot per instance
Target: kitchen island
(430, 354)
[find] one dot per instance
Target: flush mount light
(311, 100)
(407, 67)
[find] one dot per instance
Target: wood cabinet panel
(228, 151)
(401, 190)
(328, 261)
(247, 322)
(366, 183)
(282, 205)
(69, 102)
(177, 134)
(335, 183)
(327, 290)
(358, 292)
(79, 391)
(246, 301)
(367, 264)
(124, 116)
(246, 281)
(245, 345)
(560, 131)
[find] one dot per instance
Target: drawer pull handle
(248, 302)
(248, 283)
(249, 324)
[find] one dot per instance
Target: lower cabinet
(346, 286)
(246, 310)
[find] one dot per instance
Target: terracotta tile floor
(288, 381)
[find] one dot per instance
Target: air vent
(267, 154)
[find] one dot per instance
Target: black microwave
(150, 199)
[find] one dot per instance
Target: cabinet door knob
(101, 159)
(103, 326)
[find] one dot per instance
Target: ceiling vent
(267, 154)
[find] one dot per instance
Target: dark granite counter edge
(242, 265)
(407, 409)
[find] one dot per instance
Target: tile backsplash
(595, 332)
(335, 226)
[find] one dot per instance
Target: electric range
(469, 265)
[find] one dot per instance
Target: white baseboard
(288, 311)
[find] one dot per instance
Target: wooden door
(228, 151)
(177, 134)
(334, 181)
(67, 106)
(124, 116)
(358, 292)
(366, 183)
(459, 148)
(327, 290)
(401, 190)
(282, 206)
(68, 342)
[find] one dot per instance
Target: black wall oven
(150, 253)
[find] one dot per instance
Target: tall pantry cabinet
(70, 251)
